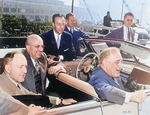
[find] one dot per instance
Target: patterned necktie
(58, 42)
(37, 66)
(128, 34)
(37, 78)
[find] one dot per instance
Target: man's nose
(25, 70)
(41, 48)
(120, 64)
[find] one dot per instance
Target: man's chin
(117, 75)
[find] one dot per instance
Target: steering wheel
(86, 66)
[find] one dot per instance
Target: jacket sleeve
(83, 34)
(106, 91)
(54, 100)
(9, 105)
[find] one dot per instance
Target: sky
(98, 8)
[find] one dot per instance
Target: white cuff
(128, 96)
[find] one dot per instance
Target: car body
(135, 64)
(141, 35)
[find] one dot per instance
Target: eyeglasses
(38, 46)
(129, 20)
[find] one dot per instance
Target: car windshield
(129, 52)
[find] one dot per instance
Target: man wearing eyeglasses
(38, 63)
(125, 33)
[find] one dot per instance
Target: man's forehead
(59, 18)
(72, 17)
(37, 41)
(115, 56)
(128, 17)
(19, 58)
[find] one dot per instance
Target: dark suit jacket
(77, 33)
(106, 87)
(106, 21)
(118, 34)
(66, 46)
(29, 82)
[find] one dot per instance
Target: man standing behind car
(107, 82)
(75, 32)
(57, 41)
(125, 33)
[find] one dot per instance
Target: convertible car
(136, 65)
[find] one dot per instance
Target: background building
(40, 10)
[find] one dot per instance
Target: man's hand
(50, 61)
(68, 101)
(138, 96)
(36, 110)
(55, 69)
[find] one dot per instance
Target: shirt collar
(12, 80)
(126, 27)
(69, 28)
(55, 34)
(33, 61)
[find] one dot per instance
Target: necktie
(37, 66)
(18, 86)
(128, 34)
(71, 30)
(58, 42)
(37, 78)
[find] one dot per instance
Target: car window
(81, 49)
(99, 46)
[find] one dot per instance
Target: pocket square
(66, 49)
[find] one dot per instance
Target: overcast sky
(98, 8)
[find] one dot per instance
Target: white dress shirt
(125, 33)
(56, 36)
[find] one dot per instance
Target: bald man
(107, 82)
(35, 79)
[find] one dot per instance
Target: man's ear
(104, 63)
(53, 24)
(28, 47)
(7, 68)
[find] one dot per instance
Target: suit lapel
(121, 33)
(10, 87)
(30, 74)
(42, 76)
(132, 35)
(53, 40)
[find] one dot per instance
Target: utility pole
(1, 15)
(122, 8)
(141, 13)
(72, 6)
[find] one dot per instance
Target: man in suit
(36, 57)
(75, 32)
(57, 41)
(125, 32)
(10, 105)
(106, 81)
(15, 65)
(107, 19)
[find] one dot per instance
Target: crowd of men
(26, 72)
